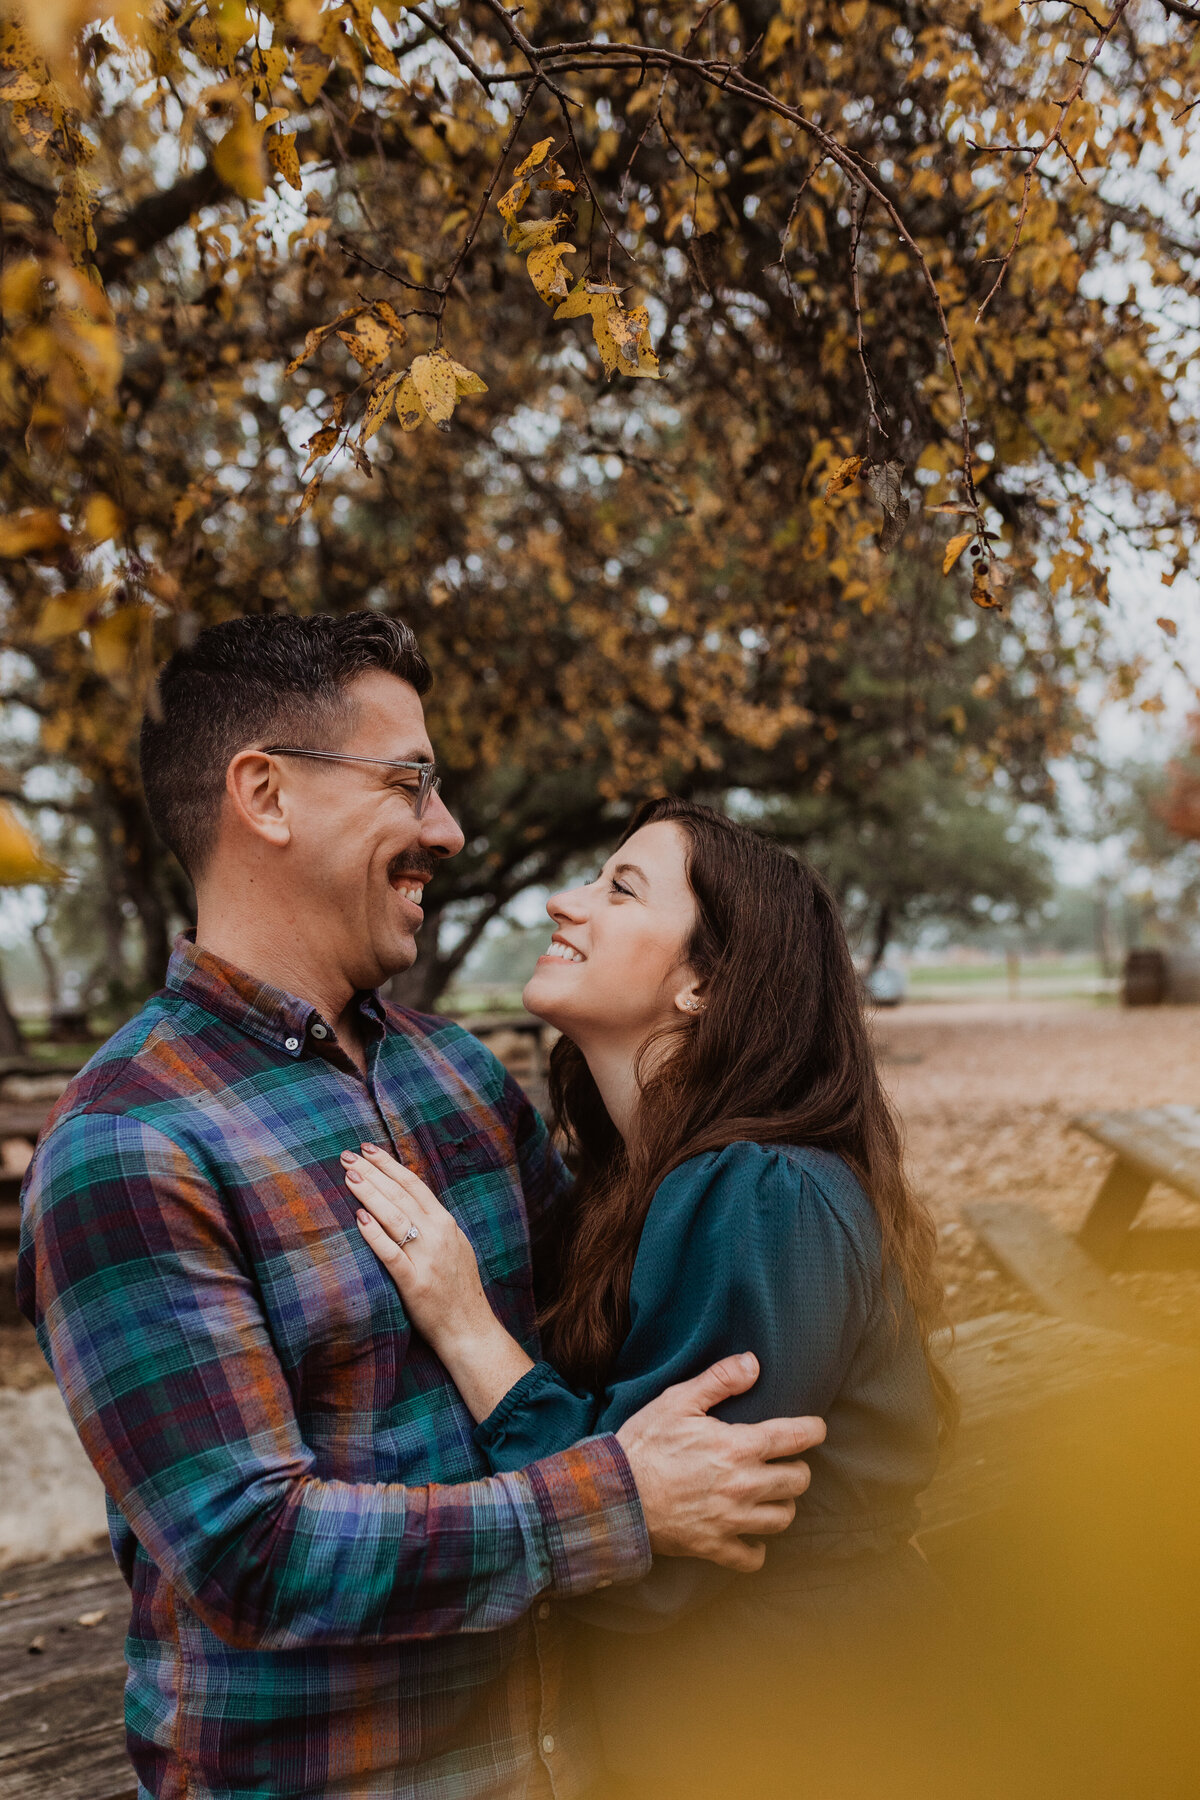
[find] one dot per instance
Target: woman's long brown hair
(779, 1055)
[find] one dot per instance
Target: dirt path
(986, 1092)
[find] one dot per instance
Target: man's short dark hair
(271, 678)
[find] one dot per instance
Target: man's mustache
(412, 862)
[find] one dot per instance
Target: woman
(739, 1188)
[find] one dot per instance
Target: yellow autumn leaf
(779, 36)
(531, 234)
(409, 410)
(844, 476)
(270, 64)
(20, 287)
(18, 84)
(606, 343)
(433, 377)
(638, 355)
(65, 614)
(981, 590)
(320, 444)
(510, 203)
(102, 519)
(392, 320)
(378, 407)
(954, 550)
(369, 342)
(117, 641)
(238, 158)
(466, 380)
(25, 533)
(536, 157)
(22, 859)
(310, 71)
(35, 122)
(308, 497)
(546, 271)
(586, 297)
(281, 149)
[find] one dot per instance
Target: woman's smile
(560, 951)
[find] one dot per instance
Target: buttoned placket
(550, 1679)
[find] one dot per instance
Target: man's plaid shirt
(330, 1594)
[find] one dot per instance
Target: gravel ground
(986, 1091)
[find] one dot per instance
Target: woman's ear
(252, 782)
(690, 999)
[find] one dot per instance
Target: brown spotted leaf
(844, 476)
(886, 482)
(409, 410)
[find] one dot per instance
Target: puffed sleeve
(742, 1250)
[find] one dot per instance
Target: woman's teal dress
(775, 1249)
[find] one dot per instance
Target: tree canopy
(681, 374)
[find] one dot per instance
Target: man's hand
(703, 1484)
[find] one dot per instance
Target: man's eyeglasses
(429, 783)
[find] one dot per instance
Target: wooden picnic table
(1152, 1143)
(1069, 1274)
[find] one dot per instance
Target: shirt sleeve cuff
(595, 1530)
(532, 1383)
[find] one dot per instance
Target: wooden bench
(1028, 1385)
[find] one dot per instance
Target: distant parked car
(886, 986)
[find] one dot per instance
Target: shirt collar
(282, 1020)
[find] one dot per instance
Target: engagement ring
(409, 1235)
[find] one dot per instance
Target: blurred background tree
(688, 533)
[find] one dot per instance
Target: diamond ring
(409, 1235)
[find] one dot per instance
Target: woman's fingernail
(364, 1218)
(374, 1147)
(353, 1175)
(349, 1156)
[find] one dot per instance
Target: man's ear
(253, 782)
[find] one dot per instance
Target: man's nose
(441, 832)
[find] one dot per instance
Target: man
(329, 1598)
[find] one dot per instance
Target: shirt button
(291, 1043)
(548, 1745)
(543, 1611)
(320, 1031)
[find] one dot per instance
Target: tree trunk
(50, 969)
(140, 856)
(883, 935)
(12, 1042)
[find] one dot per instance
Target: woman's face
(615, 965)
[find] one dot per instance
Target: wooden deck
(62, 1675)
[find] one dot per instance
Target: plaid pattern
(331, 1596)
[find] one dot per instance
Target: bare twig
(418, 287)
(858, 208)
(1052, 138)
(477, 219)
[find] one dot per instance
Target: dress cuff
(595, 1530)
(532, 1382)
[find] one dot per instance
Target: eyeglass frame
(429, 784)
